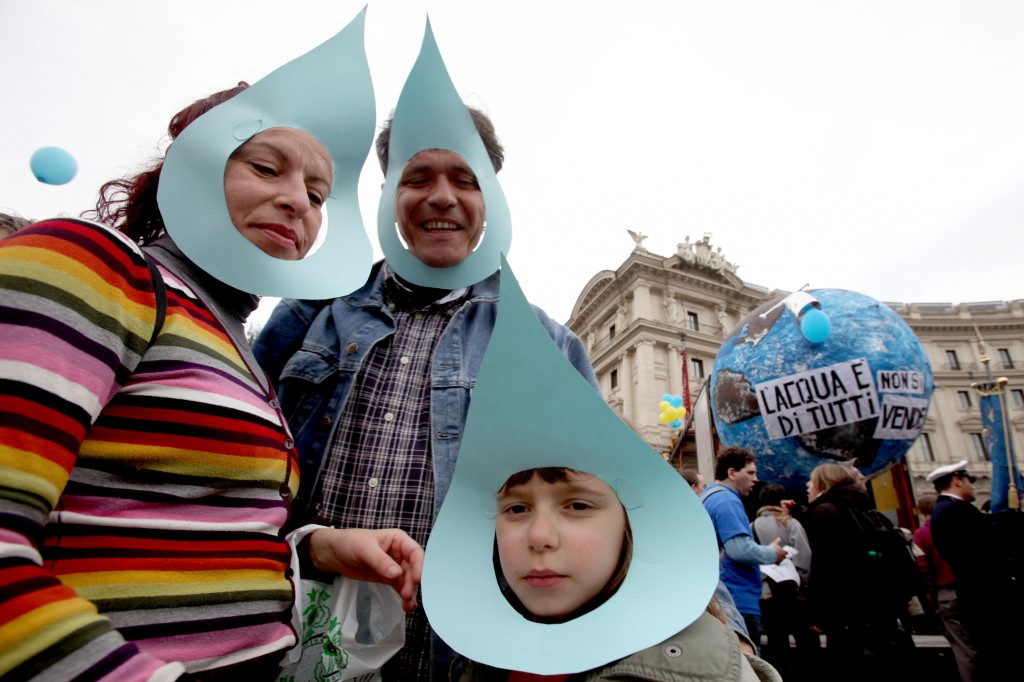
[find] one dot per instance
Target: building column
(642, 303)
(628, 390)
(675, 369)
(646, 396)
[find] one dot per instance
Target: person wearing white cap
(965, 538)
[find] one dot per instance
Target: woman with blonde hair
(827, 476)
(862, 626)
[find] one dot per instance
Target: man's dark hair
(9, 224)
(483, 126)
(732, 457)
(772, 495)
(690, 476)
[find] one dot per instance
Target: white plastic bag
(348, 628)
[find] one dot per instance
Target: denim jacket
(314, 350)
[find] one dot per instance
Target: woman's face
(812, 490)
(275, 186)
(559, 543)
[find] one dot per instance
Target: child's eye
(516, 509)
(580, 506)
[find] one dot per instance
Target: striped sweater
(142, 487)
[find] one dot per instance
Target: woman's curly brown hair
(129, 204)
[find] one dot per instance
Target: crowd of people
(860, 582)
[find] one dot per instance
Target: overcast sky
(866, 145)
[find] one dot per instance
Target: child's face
(559, 543)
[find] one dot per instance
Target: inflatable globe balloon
(53, 165)
(821, 376)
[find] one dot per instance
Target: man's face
(439, 208)
(744, 479)
(963, 487)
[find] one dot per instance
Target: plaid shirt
(379, 472)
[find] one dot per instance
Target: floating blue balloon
(815, 325)
(53, 165)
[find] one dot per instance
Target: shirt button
(352, 348)
(389, 417)
(373, 482)
(274, 404)
(326, 421)
(404, 360)
(289, 443)
(418, 316)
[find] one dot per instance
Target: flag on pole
(1006, 477)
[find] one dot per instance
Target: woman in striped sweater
(145, 466)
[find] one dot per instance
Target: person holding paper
(735, 476)
(784, 607)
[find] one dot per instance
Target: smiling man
(376, 385)
(439, 207)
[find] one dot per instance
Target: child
(563, 546)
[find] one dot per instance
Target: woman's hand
(387, 556)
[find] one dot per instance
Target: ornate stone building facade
(635, 320)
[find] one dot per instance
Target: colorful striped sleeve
(77, 311)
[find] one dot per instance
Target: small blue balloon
(667, 396)
(815, 325)
(677, 401)
(53, 165)
(676, 423)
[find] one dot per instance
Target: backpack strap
(711, 490)
(160, 292)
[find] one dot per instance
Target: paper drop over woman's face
(560, 543)
(275, 186)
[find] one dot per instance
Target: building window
(927, 454)
(614, 378)
(697, 368)
(1004, 357)
(692, 322)
(963, 399)
(952, 362)
(1018, 397)
(611, 332)
(978, 447)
